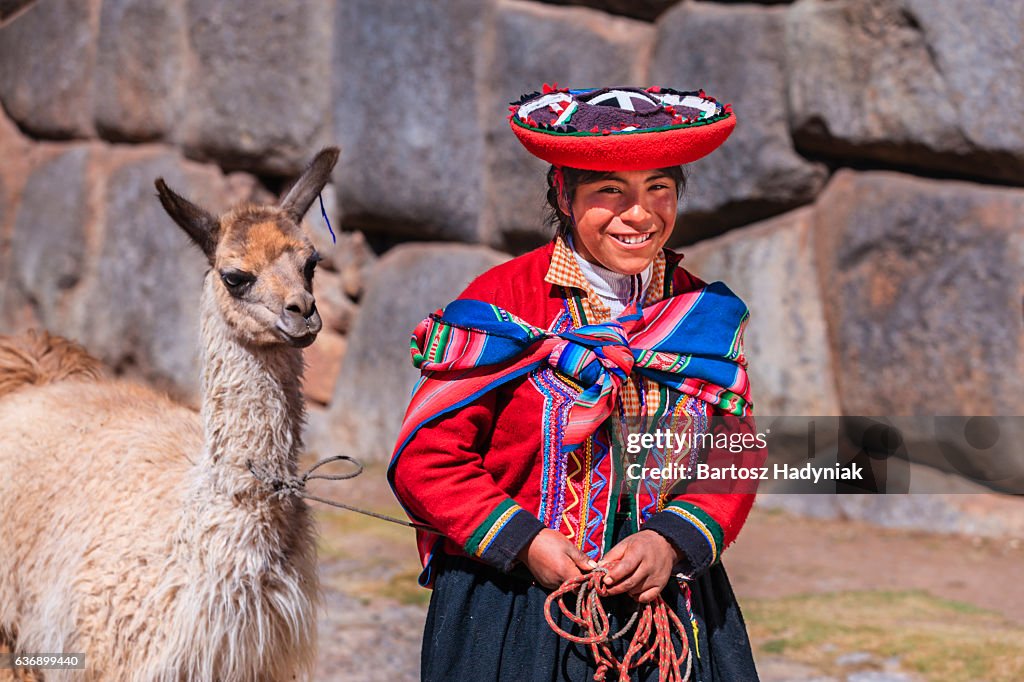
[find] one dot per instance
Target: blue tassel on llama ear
(323, 212)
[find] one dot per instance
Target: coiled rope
(652, 640)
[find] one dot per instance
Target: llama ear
(300, 197)
(199, 225)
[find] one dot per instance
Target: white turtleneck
(615, 289)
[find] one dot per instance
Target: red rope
(652, 639)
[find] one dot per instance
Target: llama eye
(310, 266)
(235, 281)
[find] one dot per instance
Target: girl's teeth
(634, 240)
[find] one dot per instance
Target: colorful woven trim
(607, 111)
(559, 397)
(702, 521)
(620, 128)
(485, 533)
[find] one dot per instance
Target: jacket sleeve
(441, 480)
(706, 518)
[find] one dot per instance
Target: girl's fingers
(614, 554)
(630, 584)
(582, 561)
(619, 570)
(648, 595)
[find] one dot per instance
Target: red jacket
(483, 475)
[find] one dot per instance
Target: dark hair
(574, 177)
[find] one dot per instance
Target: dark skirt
(486, 625)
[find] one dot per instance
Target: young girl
(512, 449)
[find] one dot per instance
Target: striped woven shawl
(691, 342)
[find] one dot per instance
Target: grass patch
(404, 589)
(774, 646)
(373, 559)
(344, 521)
(941, 640)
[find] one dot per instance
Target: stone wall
(869, 205)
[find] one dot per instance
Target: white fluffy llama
(130, 527)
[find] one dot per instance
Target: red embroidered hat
(609, 129)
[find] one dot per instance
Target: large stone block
(21, 158)
(736, 54)
(140, 70)
(922, 284)
(10, 311)
(910, 82)
(47, 60)
(259, 95)
(47, 253)
(16, 151)
(372, 391)
(323, 361)
(336, 309)
(5, 204)
(405, 112)
(535, 44)
(771, 267)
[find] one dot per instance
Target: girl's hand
(640, 565)
(552, 559)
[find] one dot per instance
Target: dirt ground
(374, 615)
(779, 555)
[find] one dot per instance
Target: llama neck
(243, 562)
(252, 406)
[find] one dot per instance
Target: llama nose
(301, 304)
(300, 315)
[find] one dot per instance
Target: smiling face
(623, 220)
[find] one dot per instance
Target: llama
(131, 528)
